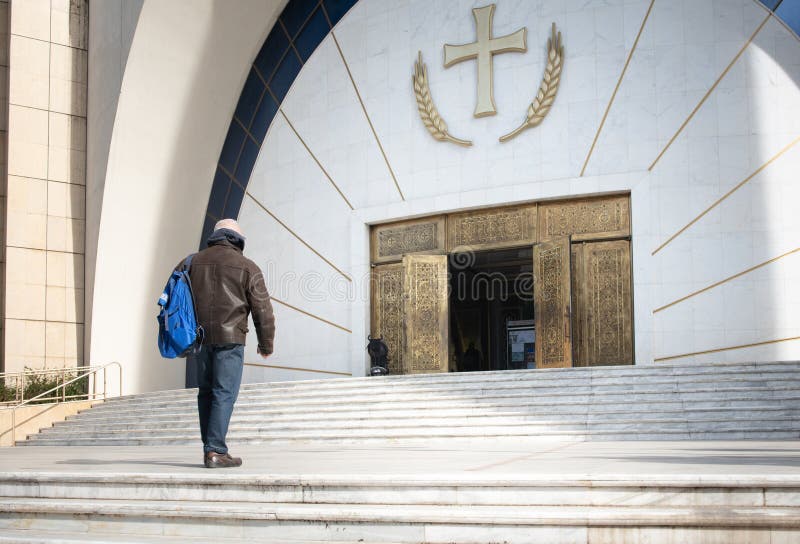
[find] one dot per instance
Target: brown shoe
(221, 460)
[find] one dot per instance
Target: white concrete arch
(185, 70)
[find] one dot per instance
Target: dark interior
(491, 303)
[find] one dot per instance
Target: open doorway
(492, 310)
(538, 285)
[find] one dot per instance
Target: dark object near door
(379, 356)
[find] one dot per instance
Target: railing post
(105, 385)
(63, 387)
(22, 389)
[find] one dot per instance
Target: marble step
(481, 389)
(632, 422)
(243, 434)
(621, 393)
(404, 523)
(476, 416)
(143, 521)
(582, 404)
(531, 490)
(27, 536)
(765, 431)
(637, 396)
(595, 373)
(594, 535)
(532, 423)
(616, 414)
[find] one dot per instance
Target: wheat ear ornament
(547, 90)
(427, 110)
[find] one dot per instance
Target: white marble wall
(751, 115)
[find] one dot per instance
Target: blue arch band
(299, 30)
(787, 11)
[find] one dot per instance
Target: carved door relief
(603, 303)
(586, 219)
(420, 236)
(578, 306)
(387, 312)
(426, 314)
(492, 229)
(552, 303)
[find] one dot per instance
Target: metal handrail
(42, 371)
(93, 371)
(19, 379)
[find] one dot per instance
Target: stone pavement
(518, 491)
(529, 458)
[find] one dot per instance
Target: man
(227, 286)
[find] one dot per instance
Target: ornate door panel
(491, 229)
(578, 306)
(605, 305)
(387, 311)
(420, 236)
(426, 314)
(586, 219)
(552, 301)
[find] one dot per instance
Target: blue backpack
(178, 330)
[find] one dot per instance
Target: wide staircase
(669, 402)
(371, 462)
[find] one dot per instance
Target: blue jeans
(219, 374)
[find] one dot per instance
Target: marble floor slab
(459, 459)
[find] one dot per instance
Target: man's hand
(263, 355)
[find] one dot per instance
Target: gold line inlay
(726, 195)
(309, 314)
(708, 93)
(293, 233)
(327, 175)
(619, 82)
(717, 350)
(717, 284)
(300, 369)
(246, 131)
(369, 121)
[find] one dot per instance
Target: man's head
(229, 224)
(227, 229)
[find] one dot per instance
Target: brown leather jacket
(227, 286)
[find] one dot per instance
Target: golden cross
(483, 49)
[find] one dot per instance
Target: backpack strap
(187, 267)
(187, 262)
(201, 333)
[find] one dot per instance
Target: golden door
(552, 303)
(426, 326)
(387, 312)
(602, 303)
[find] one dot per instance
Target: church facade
(483, 186)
